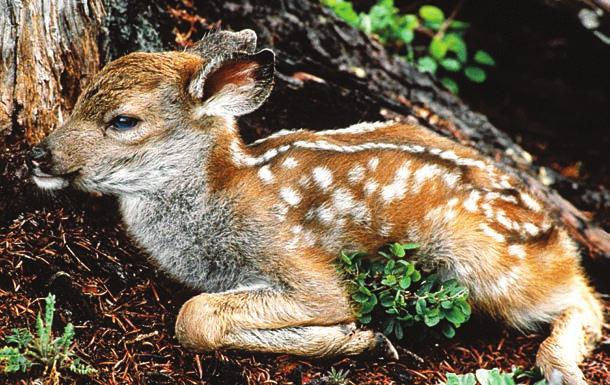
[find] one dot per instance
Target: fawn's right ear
(233, 85)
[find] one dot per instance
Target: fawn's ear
(233, 85)
(225, 42)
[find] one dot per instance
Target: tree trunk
(49, 50)
(329, 75)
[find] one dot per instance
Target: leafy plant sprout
(390, 293)
(430, 40)
(337, 377)
(24, 350)
(495, 377)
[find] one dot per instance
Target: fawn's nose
(40, 157)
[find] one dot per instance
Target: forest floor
(73, 245)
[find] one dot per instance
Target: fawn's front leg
(267, 320)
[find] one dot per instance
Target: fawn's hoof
(384, 347)
(558, 368)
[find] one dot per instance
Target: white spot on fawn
(451, 179)
(530, 202)
(449, 155)
(343, 200)
(470, 204)
(424, 173)
(517, 251)
(370, 187)
(290, 196)
(503, 220)
(265, 174)
(290, 163)
(323, 177)
(373, 163)
(356, 174)
(326, 215)
(397, 189)
(531, 229)
(491, 233)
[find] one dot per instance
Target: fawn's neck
(194, 233)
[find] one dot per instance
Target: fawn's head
(147, 116)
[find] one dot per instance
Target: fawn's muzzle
(39, 159)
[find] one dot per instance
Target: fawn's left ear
(233, 85)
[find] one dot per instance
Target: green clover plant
(430, 40)
(389, 292)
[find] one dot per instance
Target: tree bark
(329, 75)
(49, 50)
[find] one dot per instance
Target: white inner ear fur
(231, 100)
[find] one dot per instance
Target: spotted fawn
(257, 228)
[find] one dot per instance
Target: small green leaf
(346, 259)
(426, 64)
(420, 306)
(389, 266)
(365, 24)
(365, 319)
(416, 276)
(360, 297)
(406, 35)
(398, 331)
(451, 65)
(457, 24)
(387, 299)
(389, 280)
(364, 290)
(453, 379)
(446, 304)
(404, 282)
(438, 48)
(367, 307)
(389, 326)
(431, 321)
(398, 250)
(484, 58)
(465, 306)
(410, 269)
(410, 22)
(448, 330)
(410, 246)
(456, 44)
(431, 14)
(455, 315)
(450, 84)
(475, 74)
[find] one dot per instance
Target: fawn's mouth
(52, 182)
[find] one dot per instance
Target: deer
(256, 229)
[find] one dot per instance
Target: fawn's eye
(123, 123)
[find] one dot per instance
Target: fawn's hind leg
(269, 321)
(574, 334)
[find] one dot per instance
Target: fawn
(256, 228)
